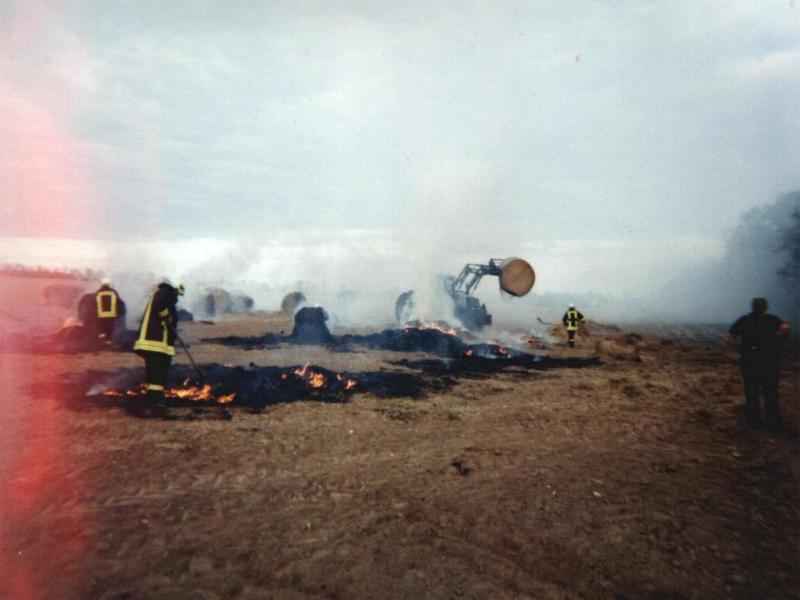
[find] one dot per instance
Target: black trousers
(105, 327)
(156, 368)
(758, 384)
(571, 336)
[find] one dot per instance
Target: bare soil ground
(632, 480)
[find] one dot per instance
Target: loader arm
(471, 276)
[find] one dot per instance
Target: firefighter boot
(156, 403)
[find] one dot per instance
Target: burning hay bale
(291, 302)
(310, 327)
(433, 340)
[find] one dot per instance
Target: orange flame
(115, 392)
(227, 399)
(193, 393)
(437, 326)
(314, 380)
(349, 384)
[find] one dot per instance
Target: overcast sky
(465, 128)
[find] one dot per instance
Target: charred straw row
(254, 386)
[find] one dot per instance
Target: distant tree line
(19, 270)
(790, 247)
(761, 257)
(764, 250)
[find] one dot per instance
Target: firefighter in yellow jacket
(110, 308)
(156, 342)
(572, 319)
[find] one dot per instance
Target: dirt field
(627, 480)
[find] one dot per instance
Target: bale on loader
(517, 277)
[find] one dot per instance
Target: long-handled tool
(224, 412)
(197, 370)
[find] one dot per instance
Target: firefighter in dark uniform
(110, 308)
(761, 337)
(572, 319)
(156, 342)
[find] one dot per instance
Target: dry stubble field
(627, 480)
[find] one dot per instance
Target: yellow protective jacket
(572, 318)
(157, 330)
(107, 301)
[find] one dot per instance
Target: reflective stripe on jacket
(571, 319)
(106, 300)
(157, 331)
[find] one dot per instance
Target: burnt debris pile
(255, 388)
(410, 339)
(252, 387)
(310, 328)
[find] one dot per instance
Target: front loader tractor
(516, 277)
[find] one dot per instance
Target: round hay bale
(243, 303)
(217, 301)
(292, 301)
(517, 277)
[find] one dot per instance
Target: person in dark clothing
(156, 342)
(761, 337)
